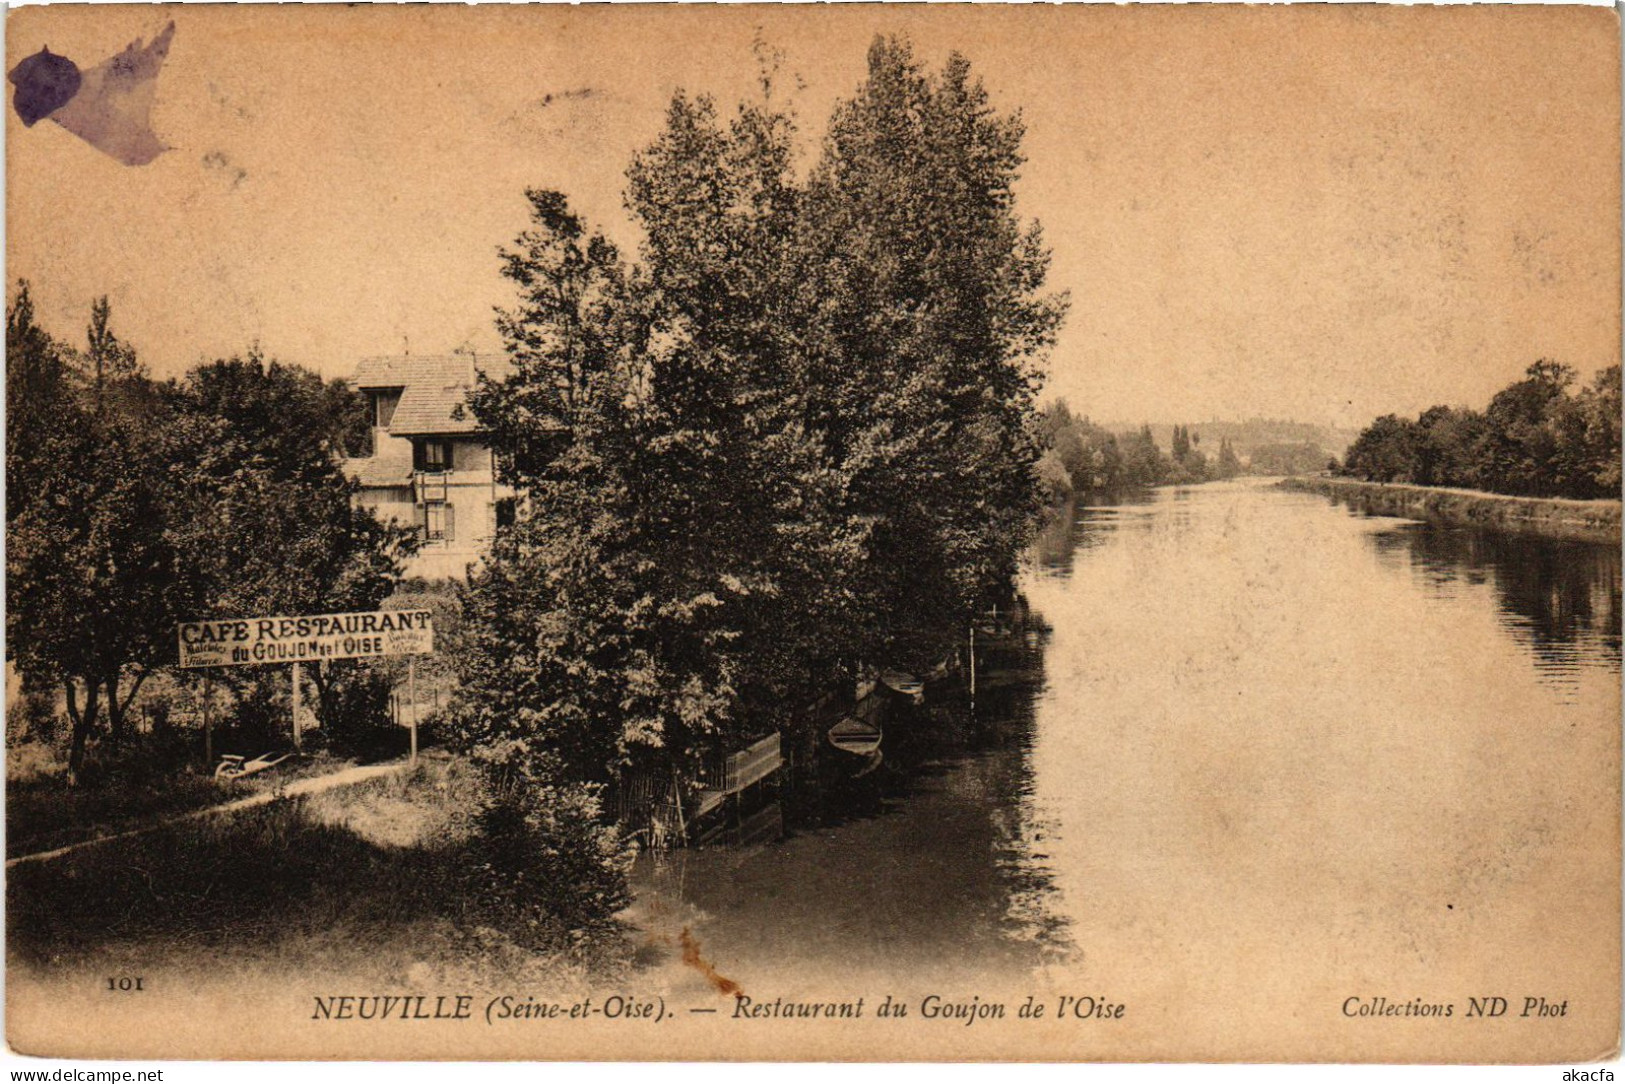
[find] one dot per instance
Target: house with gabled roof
(430, 465)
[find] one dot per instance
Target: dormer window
(432, 456)
(384, 403)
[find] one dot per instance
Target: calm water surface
(1249, 729)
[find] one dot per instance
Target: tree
(1447, 440)
(1385, 451)
(40, 393)
(261, 513)
(1054, 477)
(90, 571)
(1288, 458)
(930, 326)
(797, 434)
(1060, 432)
(1189, 466)
(1518, 446)
(757, 582)
(577, 319)
(646, 584)
(1601, 407)
(1143, 462)
(553, 615)
(1535, 439)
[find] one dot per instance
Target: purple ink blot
(45, 83)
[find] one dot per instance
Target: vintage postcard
(856, 533)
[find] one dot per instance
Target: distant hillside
(1246, 436)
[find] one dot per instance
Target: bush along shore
(1552, 517)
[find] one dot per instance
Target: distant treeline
(1536, 439)
(1082, 457)
(1304, 458)
(1255, 433)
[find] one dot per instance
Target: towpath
(298, 789)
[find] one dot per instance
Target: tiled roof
(433, 387)
(426, 410)
(379, 471)
(403, 370)
(389, 465)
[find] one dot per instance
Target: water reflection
(933, 862)
(1237, 701)
(1559, 599)
(1272, 731)
(1080, 525)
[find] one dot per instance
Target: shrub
(33, 717)
(354, 710)
(258, 720)
(542, 862)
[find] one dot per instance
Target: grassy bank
(124, 789)
(370, 880)
(1551, 517)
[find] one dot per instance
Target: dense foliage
(90, 570)
(1082, 457)
(133, 504)
(1537, 438)
(792, 437)
(262, 517)
(1290, 457)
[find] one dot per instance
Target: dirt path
(313, 785)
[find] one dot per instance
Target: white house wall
(472, 495)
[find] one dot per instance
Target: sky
(1318, 213)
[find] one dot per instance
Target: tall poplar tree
(794, 436)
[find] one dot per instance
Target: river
(1256, 750)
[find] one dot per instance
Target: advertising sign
(249, 641)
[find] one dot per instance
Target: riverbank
(1549, 517)
(373, 882)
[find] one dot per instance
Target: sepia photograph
(813, 533)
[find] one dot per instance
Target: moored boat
(903, 684)
(855, 736)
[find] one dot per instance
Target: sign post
(973, 664)
(208, 723)
(254, 641)
(412, 692)
(293, 705)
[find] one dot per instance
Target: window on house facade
(439, 521)
(431, 455)
(505, 514)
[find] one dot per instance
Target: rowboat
(904, 684)
(855, 736)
